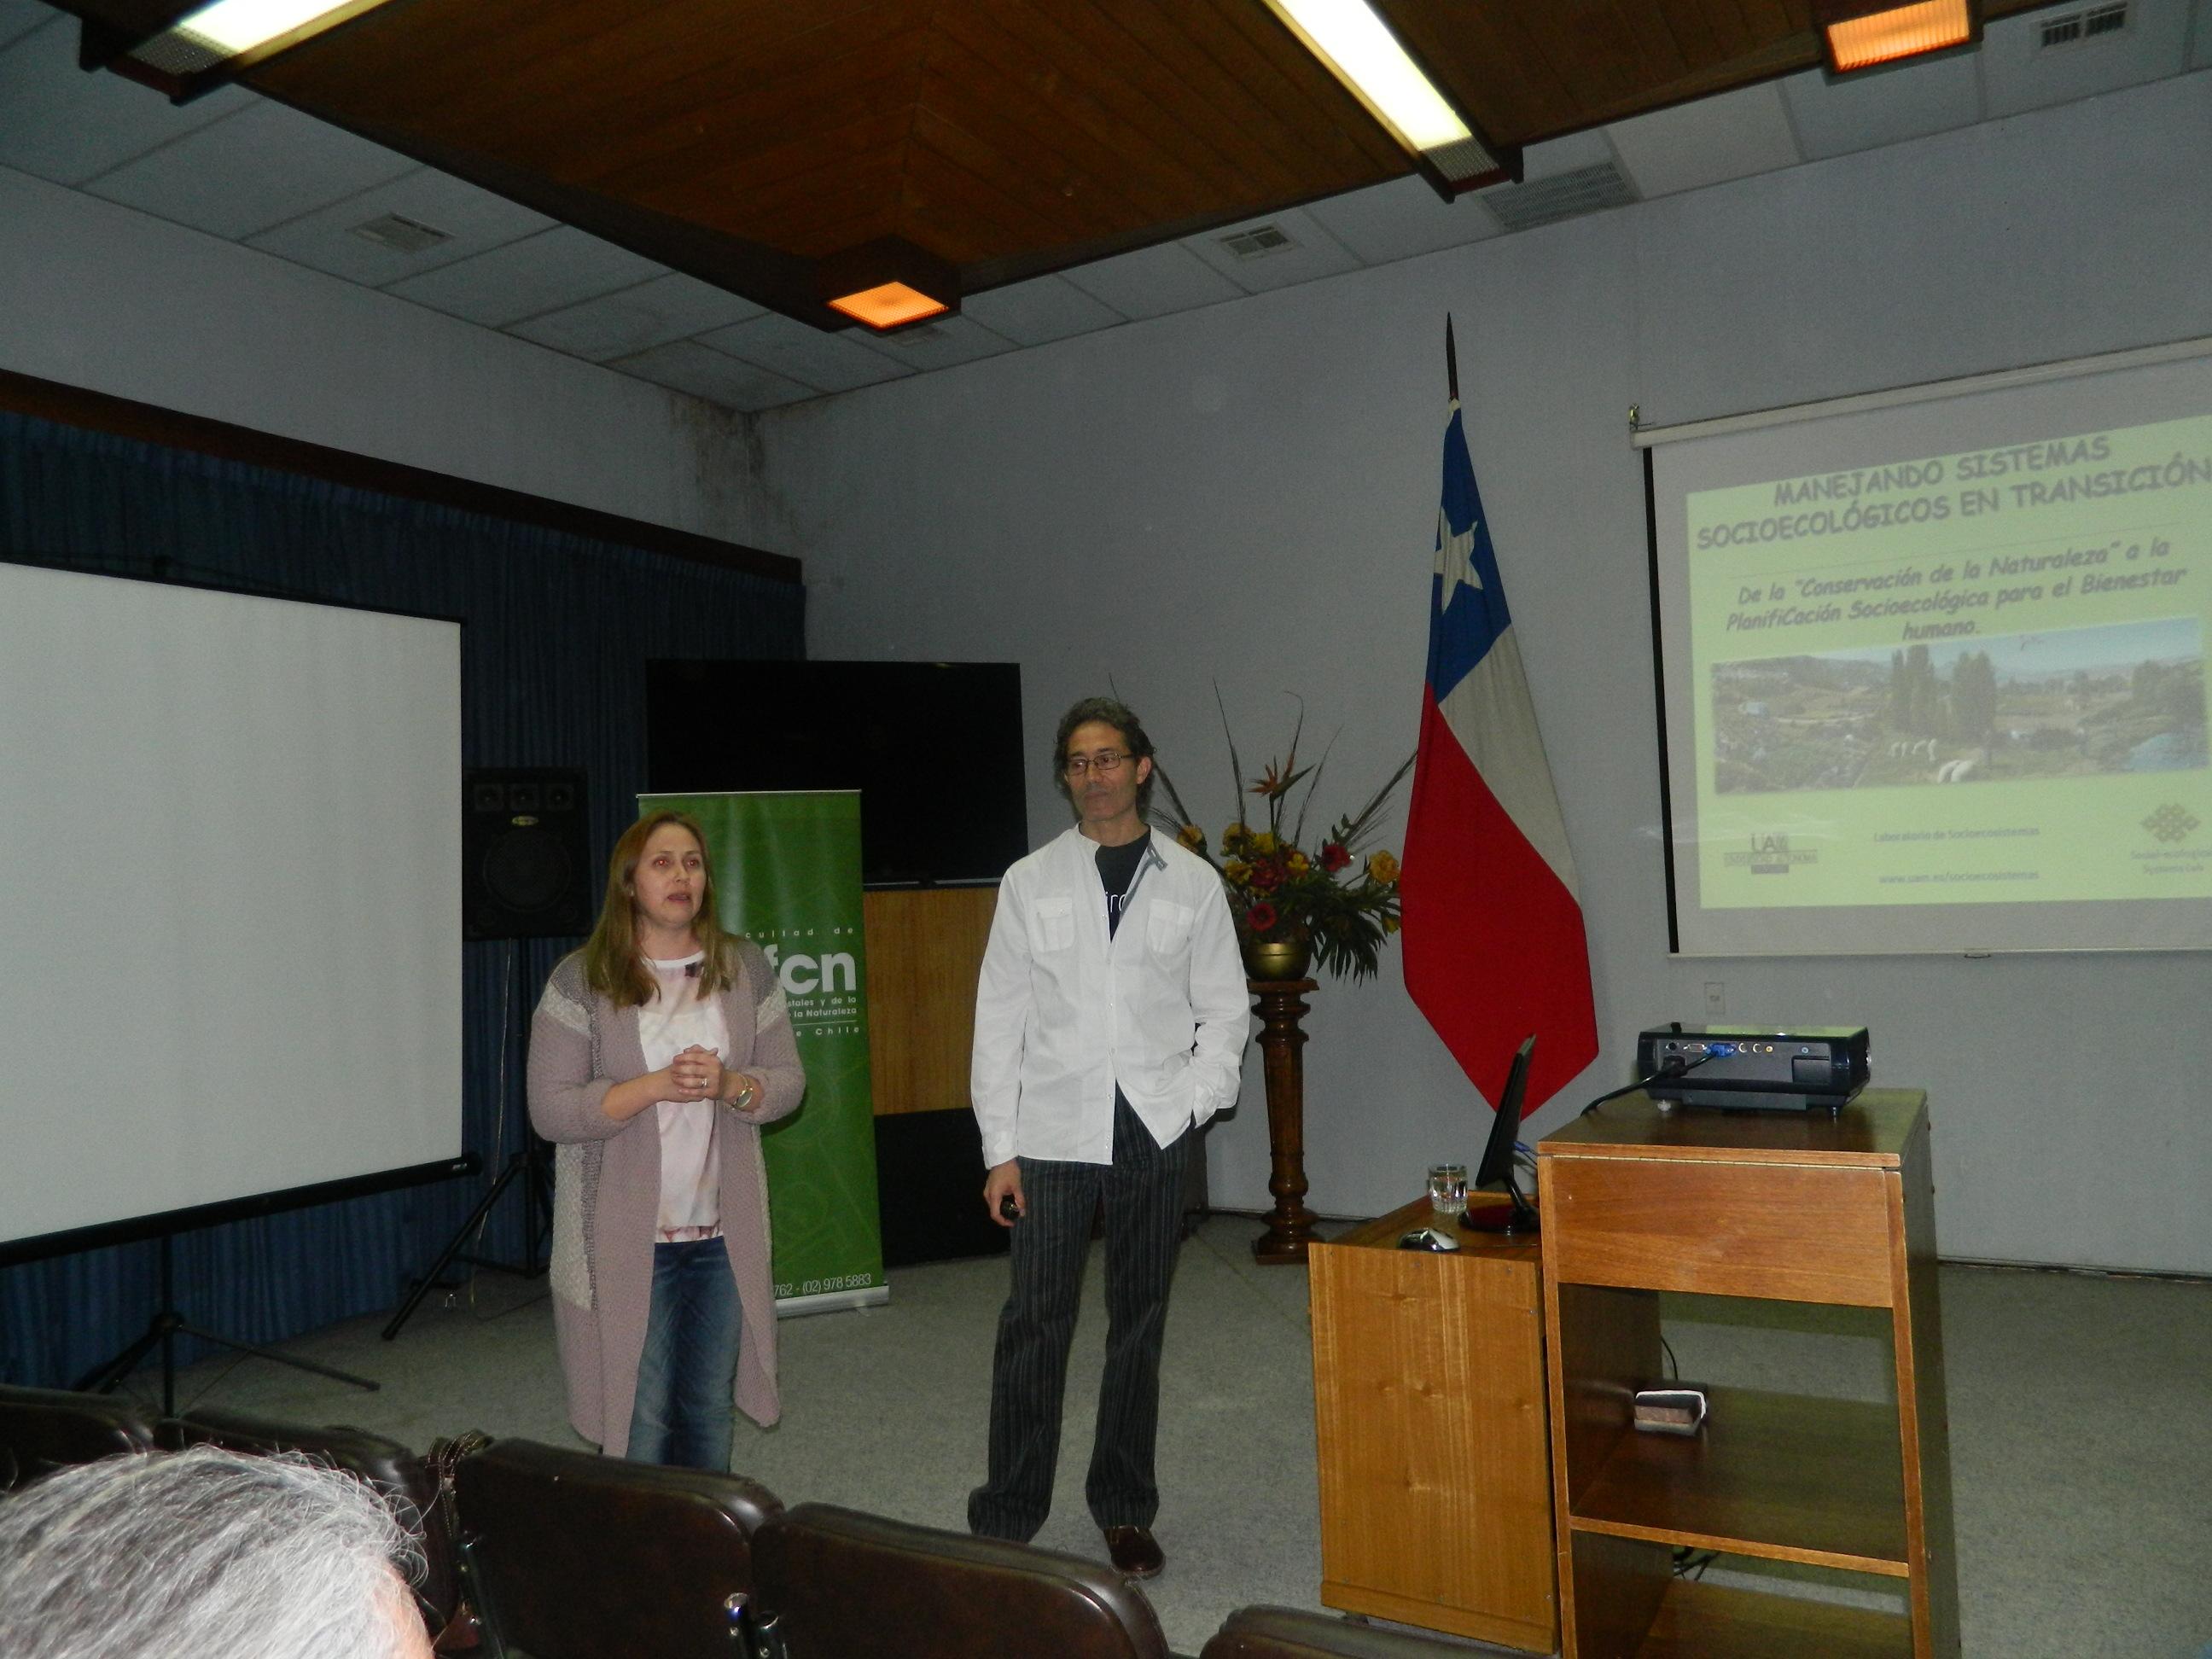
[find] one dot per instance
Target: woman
(656, 1052)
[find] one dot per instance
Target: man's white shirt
(1064, 1010)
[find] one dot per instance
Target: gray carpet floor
(2080, 1437)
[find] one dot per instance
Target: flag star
(1455, 560)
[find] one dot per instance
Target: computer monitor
(1496, 1168)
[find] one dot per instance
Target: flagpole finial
(1451, 359)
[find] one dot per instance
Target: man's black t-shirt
(1117, 868)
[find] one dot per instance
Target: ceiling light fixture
(885, 284)
(209, 45)
(1351, 38)
(1861, 34)
(888, 305)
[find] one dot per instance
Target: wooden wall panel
(925, 950)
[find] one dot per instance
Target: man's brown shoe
(1133, 1552)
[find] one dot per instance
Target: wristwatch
(743, 1096)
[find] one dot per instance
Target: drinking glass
(1447, 1188)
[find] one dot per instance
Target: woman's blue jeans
(685, 1415)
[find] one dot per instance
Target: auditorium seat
(834, 1583)
(576, 1556)
(46, 1429)
(1288, 1633)
(383, 1462)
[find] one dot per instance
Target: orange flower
(1191, 837)
(1382, 868)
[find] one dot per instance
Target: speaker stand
(537, 1219)
(161, 1332)
(533, 1164)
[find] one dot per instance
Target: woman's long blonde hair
(613, 965)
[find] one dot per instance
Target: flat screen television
(934, 748)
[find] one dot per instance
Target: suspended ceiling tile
(60, 123)
(1868, 110)
(1401, 219)
(1044, 308)
(1731, 137)
(1154, 281)
(944, 344)
(1312, 253)
(1557, 156)
(258, 168)
(541, 273)
(827, 362)
(633, 319)
(687, 366)
(19, 17)
(475, 219)
(2020, 73)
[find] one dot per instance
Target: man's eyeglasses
(1104, 762)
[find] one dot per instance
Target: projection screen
(230, 868)
(1933, 665)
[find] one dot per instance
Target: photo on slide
(2071, 702)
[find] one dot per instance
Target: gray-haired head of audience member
(185, 1555)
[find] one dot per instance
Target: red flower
(1266, 875)
(1261, 917)
(1334, 856)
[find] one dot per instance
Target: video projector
(1729, 1065)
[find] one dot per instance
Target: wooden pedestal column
(1290, 1223)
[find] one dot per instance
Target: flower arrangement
(1342, 899)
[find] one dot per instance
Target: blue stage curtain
(558, 628)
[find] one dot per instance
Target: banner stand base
(867, 1296)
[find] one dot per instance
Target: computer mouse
(1428, 1238)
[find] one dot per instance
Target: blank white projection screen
(230, 874)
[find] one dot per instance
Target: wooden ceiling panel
(1087, 113)
(745, 141)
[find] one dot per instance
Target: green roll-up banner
(787, 870)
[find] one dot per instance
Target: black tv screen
(934, 748)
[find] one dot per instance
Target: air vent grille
(1564, 195)
(2070, 29)
(1258, 242)
(401, 234)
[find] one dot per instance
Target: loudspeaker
(526, 850)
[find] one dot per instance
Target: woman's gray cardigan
(606, 1187)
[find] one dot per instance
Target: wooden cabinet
(1807, 1208)
(1436, 1497)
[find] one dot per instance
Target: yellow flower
(1236, 874)
(1263, 841)
(1296, 863)
(1234, 837)
(1191, 837)
(1382, 868)
(1390, 924)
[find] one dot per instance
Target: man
(1110, 1023)
(189, 1554)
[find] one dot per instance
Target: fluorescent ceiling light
(1347, 36)
(231, 26)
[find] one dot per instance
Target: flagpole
(1451, 359)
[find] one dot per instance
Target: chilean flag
(1493, 931)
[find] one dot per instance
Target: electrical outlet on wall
(1716, 999)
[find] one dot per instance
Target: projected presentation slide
(1959, 676)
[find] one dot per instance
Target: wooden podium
(1798, 1206)
(1435, 1498)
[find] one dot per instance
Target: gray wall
(96, 295)
(1249, 494)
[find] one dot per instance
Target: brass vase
(1276, 959)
